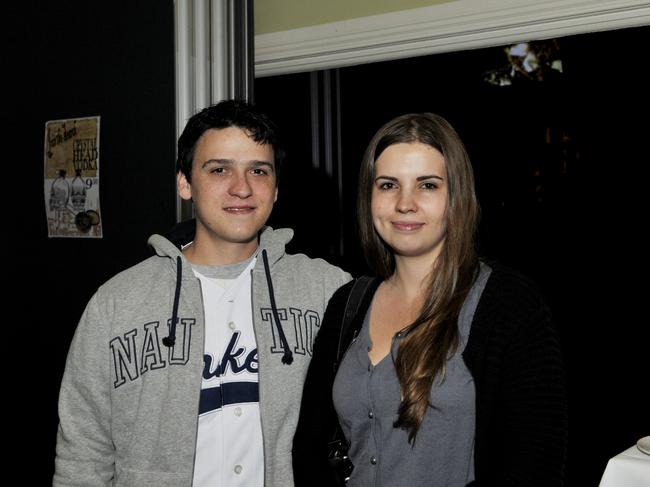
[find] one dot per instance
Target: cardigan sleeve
(534, 407)
(318, 420)
(521, 393)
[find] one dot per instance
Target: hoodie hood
(169, 245)
(271, 248)
(274, 241)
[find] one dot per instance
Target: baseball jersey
(229, 449)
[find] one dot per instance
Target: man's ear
(183, 185)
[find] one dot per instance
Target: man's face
(233, 185)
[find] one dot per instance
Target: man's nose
(240, 186)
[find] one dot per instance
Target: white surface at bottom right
(630, 468)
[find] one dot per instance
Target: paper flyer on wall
(72, 178)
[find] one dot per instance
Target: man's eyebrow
(225, 162)
(231, 162)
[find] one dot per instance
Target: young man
(187, 369)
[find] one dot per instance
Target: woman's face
(409, 199)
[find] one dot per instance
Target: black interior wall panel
(114, 59)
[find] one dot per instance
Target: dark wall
(114, 59)
(560, 172)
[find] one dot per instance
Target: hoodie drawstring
(287, 358)
(170, 340)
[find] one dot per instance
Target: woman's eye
(386, 185)
(218, 170)
(429, 186)
(258, 171)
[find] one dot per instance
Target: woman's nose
(406, 202)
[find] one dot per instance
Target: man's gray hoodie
(128, 406)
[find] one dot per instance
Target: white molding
(453, 26)
(200, 27)
(184, 38)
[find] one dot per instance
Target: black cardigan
(514, 357)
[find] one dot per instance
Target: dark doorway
(559, 163)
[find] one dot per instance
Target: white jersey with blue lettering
(229, 449)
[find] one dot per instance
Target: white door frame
(452, 26)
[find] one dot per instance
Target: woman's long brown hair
(433, 337)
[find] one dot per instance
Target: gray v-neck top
(367, 398)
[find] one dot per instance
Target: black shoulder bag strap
(338, 448)
(355, 297)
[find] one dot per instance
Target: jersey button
(373, 460)
(237, 411)
(231, 325)
(371, 414)
(238, 469)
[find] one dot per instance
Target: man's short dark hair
(228, 113)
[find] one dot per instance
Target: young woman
(451, 373)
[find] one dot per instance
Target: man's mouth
(239, 210)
